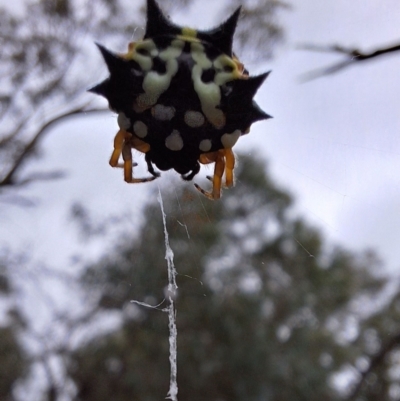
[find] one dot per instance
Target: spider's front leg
(150, 167)
(224, 163)
(219, 159)
(190, 176)
(141, 146)
(119, 141)
(124, 141)
(229, 167)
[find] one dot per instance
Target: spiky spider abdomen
(182, 98)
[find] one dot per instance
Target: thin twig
(353, 56)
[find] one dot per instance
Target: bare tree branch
(352, 56)
(10, 179)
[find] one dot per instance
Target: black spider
(182, 98)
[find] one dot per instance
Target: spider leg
(217, 178)
(230, 165)
(207, 158)
(190, 176)
(120, 138)
(123, 142)
(150, 167)
(128, 166)
(121, 165)
(138, 144)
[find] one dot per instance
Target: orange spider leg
(219, 158)
(123, 142)
(230, 165)
(244, 73)
(119, 141)
(131, 49)
(207, 158)
(139, 145)
(218, 173)
(128, 165)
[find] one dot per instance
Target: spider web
(170, 309)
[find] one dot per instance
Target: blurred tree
(47, 51)
(14, 363)
(265, 311)
(379, 368)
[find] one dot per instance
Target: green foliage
(258, 292)
(380, 340)
(4, 281)
(13, 363)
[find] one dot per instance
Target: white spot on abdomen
(174, 141)
(143, 102)
(140, 129)
(194, 119)
(205, 145)
(229, 140)
(123, 121)
(163, 113)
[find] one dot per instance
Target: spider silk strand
(170, 309)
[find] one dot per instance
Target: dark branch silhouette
(28, 148)
(352, 56)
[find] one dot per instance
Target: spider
(183, 99)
